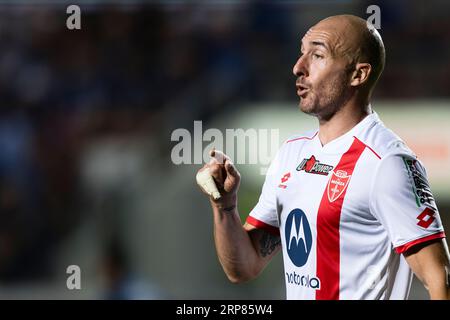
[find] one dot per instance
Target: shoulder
(401, 176)
(398, 163)
(291, 146)
(295, 143)
(383, 142)
(299, 138)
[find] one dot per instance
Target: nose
(300, 67)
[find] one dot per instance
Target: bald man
(348, 204)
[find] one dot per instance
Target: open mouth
(302, 90)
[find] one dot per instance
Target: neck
(343, 120)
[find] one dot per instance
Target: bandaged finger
(206, 182)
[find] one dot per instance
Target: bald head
(341, 59)
(355, 39)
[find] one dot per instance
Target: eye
(317, 56)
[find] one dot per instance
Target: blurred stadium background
(86, 118)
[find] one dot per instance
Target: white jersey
(346, 211)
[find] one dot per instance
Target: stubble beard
(325, 106)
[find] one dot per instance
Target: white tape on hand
(206, 181)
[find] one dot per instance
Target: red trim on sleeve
(262, 225)
(303, 138)
(409, 245)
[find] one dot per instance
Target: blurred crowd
(135, 73)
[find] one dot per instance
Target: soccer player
(348, 204)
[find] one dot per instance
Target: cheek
(319, 73)
(327, 78)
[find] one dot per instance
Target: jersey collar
(342, 143)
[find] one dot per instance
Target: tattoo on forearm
(231, 208)
(268, 243)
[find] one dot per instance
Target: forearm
(439, 293)
(438, 284)
(430, 263)
(235, 250)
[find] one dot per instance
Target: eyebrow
(319, 43)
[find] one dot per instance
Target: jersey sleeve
(264, 215)
(402, 201)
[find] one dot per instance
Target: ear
(360, 74)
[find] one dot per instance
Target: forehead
(331, 36)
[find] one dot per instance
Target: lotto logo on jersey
(337, 184)
(312, 165)
(426, 218)
(298, 237)
(284, 179)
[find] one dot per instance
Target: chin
(305, 107)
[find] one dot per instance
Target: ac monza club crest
(337, 184)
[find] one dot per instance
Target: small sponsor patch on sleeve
(419, 184)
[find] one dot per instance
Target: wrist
(227, 204)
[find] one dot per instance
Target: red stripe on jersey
(378, 156)
(328, 221)
(262, 225)
(411, 244)
(303, 138)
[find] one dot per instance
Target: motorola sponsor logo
(302, 280)
(298, 245)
